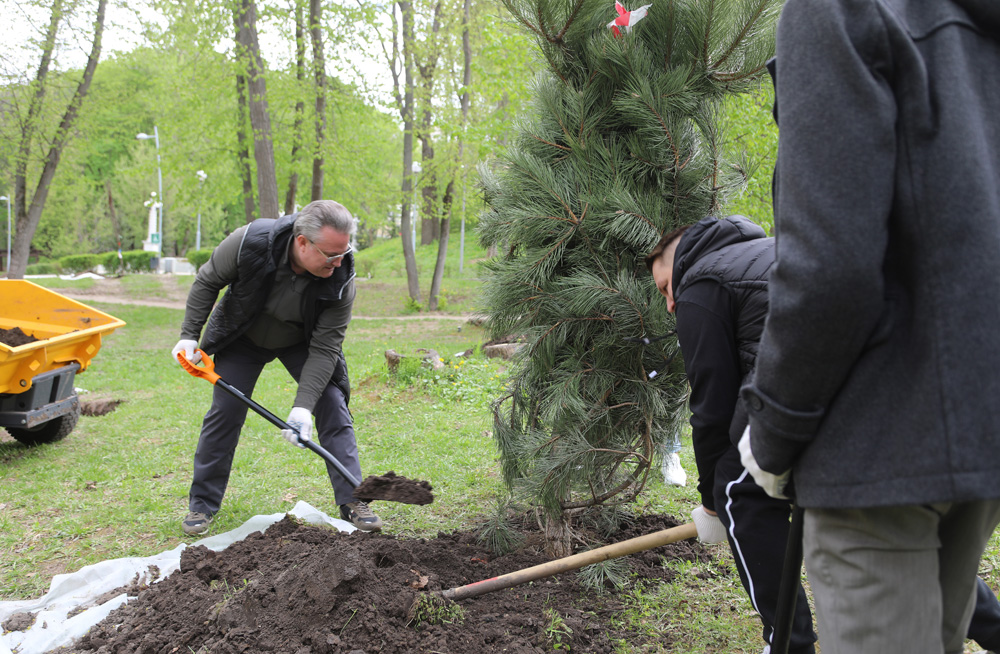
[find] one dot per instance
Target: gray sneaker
(196, 523)
(361, 516)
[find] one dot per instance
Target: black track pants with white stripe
(757, 525)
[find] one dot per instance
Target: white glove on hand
(774, 485)
(188, 347)
(300, 419)
(710, 528)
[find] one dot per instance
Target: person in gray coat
(878, 369)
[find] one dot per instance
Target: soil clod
(98, 407)
(394, 488)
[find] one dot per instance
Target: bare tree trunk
(115, 225)
(319, 71)
(433, 300)
(300, 107)
(429, 230)
(248, 51)
(243, 149)
(28, 216)
(405, 104)
(428, 186)
(448, 203)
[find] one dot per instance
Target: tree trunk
(319, 71)
(429, 230)
(28, 215)
(445, 229)
(300, 108)
(406, 112)
(243, 149)
(248, 52)
(558, 536)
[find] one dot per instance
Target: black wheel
(47, 432)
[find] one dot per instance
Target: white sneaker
(673, 473)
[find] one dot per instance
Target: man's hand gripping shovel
(387, 487)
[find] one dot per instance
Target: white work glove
(774, 485)
(710, 528)
(188, 347)
(301, 419)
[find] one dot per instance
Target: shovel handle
(613, 551)
(207, 371)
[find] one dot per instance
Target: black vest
(742, 268)
(264, 242)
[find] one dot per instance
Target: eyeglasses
(334, 257)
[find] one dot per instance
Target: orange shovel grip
(205, 371)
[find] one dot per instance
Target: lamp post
(159, 177)
(7, 200)
(202, 176)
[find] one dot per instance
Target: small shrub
(78, 263)
(411, 306)
(138, 260)
(50, 268)
(111, 262)
(197, 258)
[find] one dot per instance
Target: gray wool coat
(878, 373)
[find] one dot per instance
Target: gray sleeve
(325, 347)
(835, 176)
(216, 274)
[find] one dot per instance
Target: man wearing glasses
(289, 291)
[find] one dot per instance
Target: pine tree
(621, 145)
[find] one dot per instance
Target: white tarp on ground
(53, 627)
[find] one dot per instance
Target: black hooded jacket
(720, 287)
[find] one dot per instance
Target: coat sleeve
(834, 177)
(214, 275)
(707, 338)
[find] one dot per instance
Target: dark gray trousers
(240, 365)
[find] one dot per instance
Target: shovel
(388, 487)
(565, 564)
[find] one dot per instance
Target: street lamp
(7, 200)
(202, 176)
(159, 176)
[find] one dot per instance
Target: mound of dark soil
(301, 589)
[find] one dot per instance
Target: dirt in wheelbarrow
(15, 337)
(304, 589)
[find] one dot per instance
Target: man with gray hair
(289, 292)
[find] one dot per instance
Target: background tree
(29, 212)
(253, 71)
(622, 144)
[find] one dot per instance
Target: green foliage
(197, 258)
(138, 260)
(558, 634)
(497, 533)
(623, 143)
(609, 574)
(432, 609)
(112, 262)
(473, 379)
(78, 263)
(49, 268)
(753, 136)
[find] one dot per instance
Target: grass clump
(432, 609)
